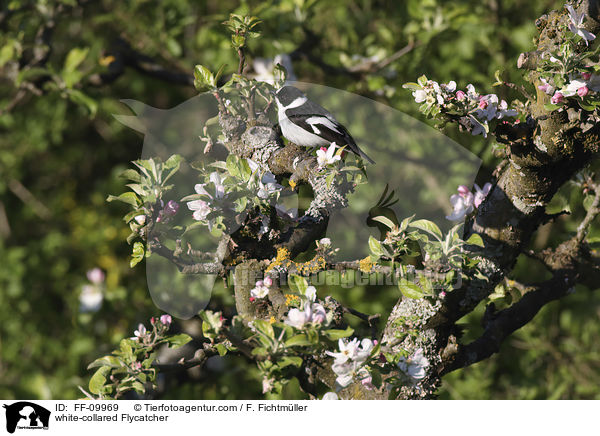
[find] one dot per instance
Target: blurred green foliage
(64, 66)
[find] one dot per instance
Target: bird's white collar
(294, 104)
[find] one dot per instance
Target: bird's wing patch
(321, 128)
(319, 121)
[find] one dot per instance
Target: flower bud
(460, 95)
(586, 76)
(268, 282)
(463, 190)
(557, 98)
(166, 319)
(583, 91)
(171, 208)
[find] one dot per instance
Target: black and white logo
(26, 415)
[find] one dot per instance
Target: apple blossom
(140, 333)
(480, 193)
(460, 95)
(546, 87)
(415, 365)
(461, 206)
(325, 242)
(576, 25)
(259, 290)
(572, 88)
(327, 156)
(90, 298)
(268, 281)
(140, 219)
(311, 293)
(348, 351)
(583, 91)
(557, 98)
(171, 208)
(312, 313)
(166, 319)
(201, 209)
(95, 275)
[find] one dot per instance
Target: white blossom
(90, 298)
(462, 205)
(260, 290)
(576, 25)
(327, 156)
(415, 365)
(201, 209)
(480, 193)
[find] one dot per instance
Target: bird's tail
(364, 156)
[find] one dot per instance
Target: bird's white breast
(294, 133)
(298, 135)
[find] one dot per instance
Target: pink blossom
(546, 87)
(586, 76)
(171, 208)
(583, 91)
(166, 319)
(483, 103)
(95, 275)
(460, 95)
(557, 98)
(463, 190)
(481, 193)
(268, 282)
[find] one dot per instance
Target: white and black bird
(307, 124)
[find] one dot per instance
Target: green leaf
(335, 334)
(290, 361)
(551, 107)
(429, 227)
(264, 327)
(6, 54)
(80, 98)
(137, 188)
(409, 289)
(178, 340)
(137, 254)
(385, 221)
(375, 247)
(298, 341)
(587, 201)
(221, 349)
(127, 197)
(98, 380)
(238, 41)
(75, 57)
(203, 78)
(298, 284)
(475, 239)
(110, 361)
(413, 86)
(132, 175)
(31, 73)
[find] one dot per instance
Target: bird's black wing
(322, 126)
(328, 129)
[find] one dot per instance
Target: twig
(592, 212)
(200, 357)
(29, 199)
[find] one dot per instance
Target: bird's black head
(288, 94)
